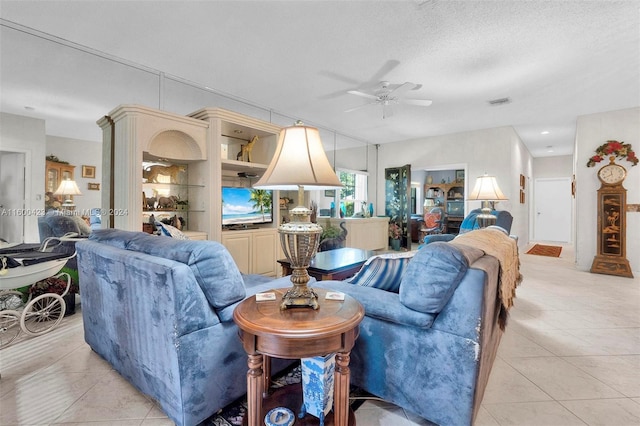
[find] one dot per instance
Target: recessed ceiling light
(544, 132)
(29, 108)
(549, 148)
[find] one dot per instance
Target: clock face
(612, 174)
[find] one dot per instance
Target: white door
(12, 196)
(553, 209)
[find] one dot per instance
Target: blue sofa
(428, 347)
(160, 311)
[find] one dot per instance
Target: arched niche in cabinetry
(129, 131)
(175, 144)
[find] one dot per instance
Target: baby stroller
(22, 265)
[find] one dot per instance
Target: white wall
(498, 152)
(78, 153)
(27, 135)
(553, 167)
(592, 131)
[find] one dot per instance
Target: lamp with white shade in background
(299, 163)
(487, 191)
(68, 188)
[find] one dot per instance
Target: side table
(266, 331)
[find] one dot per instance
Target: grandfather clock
(612, 220)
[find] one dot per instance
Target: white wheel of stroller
(42, 314)
(10, 299)
(9, 327)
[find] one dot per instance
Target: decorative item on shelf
(167, 203)
(182, 204)
(67, 189)
(245, 150)
(487, 191)
(370, 209)
(55, 159)
(151, 173)
(299, 162)
(616, 149)
(429, 179)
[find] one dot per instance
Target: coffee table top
(334, 260)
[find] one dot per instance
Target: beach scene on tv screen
(246, 205)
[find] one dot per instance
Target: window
(354, 193)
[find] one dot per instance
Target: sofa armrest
(381, 304)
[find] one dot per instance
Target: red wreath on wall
(615, 148)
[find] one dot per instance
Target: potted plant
(395, 235)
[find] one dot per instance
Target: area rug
(542, 250)
(233, 414)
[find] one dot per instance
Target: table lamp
(68, 188)
(486, 190)
(298, 163)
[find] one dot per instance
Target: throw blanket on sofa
(496, 243)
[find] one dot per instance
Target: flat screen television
(243, 206)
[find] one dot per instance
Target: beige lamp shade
(68, 187)
(299, 160)
(486, 189)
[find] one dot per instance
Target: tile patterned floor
(570, 356)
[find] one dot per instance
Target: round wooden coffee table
(266, 331)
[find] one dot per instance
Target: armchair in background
(435, 222)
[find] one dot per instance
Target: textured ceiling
(554, 60)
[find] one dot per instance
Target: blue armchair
(470, 222)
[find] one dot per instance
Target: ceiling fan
(388, 95)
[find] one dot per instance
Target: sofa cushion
(383, 271)
(211, 264)
(432, 276)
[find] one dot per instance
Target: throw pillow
(432, 277)
(171, 231)
(383, 271)
(431, 220)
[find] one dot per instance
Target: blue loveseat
(429, 344)
(160, 311)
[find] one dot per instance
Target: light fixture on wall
(487, 191)
(67, 189)
(299, 163)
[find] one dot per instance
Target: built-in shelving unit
(449, 196)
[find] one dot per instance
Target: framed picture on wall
(330, 193)
(522, 181)
(459, 175)
(89, 172)
(521, 196)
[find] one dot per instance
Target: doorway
(553, 209)
(12, 179)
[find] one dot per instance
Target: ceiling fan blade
(359, 106)
(364, 95)
(402, 88)
(384, 70)
(417, 102)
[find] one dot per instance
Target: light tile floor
(570, 356)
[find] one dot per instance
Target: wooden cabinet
(254, 251)
(55, 173)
